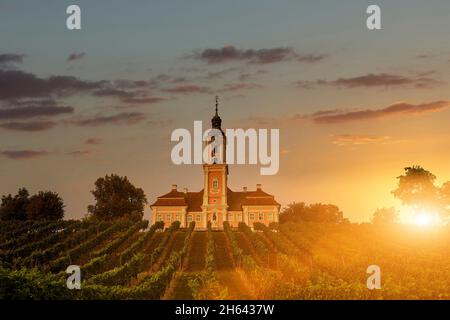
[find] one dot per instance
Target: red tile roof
(194, 200)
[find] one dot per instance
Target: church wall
(262, 214)
(234, 217)
(198, 217)
(249, 215)
(168, 215)
(218, 222)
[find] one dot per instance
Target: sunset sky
(353, 106)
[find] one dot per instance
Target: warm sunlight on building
(216, 202)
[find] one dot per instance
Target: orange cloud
(352, 139)
(373, 80)
(389, 111)
(339, 116)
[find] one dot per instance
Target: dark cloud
(9, 59)
(29, 109)
(28, 126)
(256, 56)
(130, 84)
(32, 112)
(373, 80)
(392, 110)
(16, 84)
(131, 97)
(311, 58)
(19, 85)
(117, 119)
(239, 87)
(143, 100)
(112, 92)
(93, 141)
(22, 154)
(75, 56)
(187, 89)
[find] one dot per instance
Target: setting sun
(423, 219)
(426, 219)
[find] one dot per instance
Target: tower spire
(217, 105)
(216, 122)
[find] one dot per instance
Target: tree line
(416, 188)
(116, 197)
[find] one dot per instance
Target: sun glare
(425, 219)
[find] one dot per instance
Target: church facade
(216, 202)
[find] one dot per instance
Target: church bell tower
(215, 177)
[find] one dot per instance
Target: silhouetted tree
(317, 212)
(385, 216)
(416, 188)
(14, 208)
(45, 205)
(116, 197)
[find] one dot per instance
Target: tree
(293, 212)
(45, 205)
(416, 188)
(14, 208)
(385, 216)
(317, 212)
(116, 197)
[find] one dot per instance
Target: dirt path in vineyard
(195, 262)
(197, 252)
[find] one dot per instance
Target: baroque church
(216, 202)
